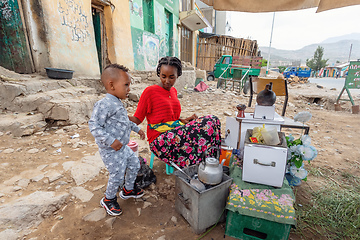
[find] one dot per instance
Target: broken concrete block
(95, 215)
(81, 193)
(22, 124)
(30, 210)
(200, 74)
(59, 113)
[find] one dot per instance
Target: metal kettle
(211, 171)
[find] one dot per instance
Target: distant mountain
(335, 49)
(351, 36)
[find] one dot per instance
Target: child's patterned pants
(116, 163)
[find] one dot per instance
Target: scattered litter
(56, 145)
(59, 150)
(146, 204)
(75, 136)
(174, 219)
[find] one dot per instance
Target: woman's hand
(187, 120)
(142, 134)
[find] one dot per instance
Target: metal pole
(272, 28)
(350, 52)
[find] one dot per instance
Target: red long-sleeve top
(158, 106)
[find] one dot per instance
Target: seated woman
(171, 138)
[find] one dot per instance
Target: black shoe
(135, 193)
(111, 206)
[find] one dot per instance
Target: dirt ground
(334, 134)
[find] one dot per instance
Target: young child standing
(111, 127)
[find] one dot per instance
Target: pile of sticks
(211, 49)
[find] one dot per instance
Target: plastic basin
(58, 73)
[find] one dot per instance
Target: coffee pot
(266, 97)
(211, 171)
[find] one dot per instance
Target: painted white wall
(70, 35)
(222, 23)
(37, 44)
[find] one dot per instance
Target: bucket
(134, 146)
(226, 152)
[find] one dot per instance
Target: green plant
(263, 62)
(281, 68)
(332, 213)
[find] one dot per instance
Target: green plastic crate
(250, 228)
(237, 73)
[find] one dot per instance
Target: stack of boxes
(262, 164)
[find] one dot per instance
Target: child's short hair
(117, 66)
(171, 61)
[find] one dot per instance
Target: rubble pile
(296, 80)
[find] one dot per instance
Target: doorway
(14, 46)
(100, 36)
(186, 44)
(168, 32)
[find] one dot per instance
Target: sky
(296, 29)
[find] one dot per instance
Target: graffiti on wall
(151, 53)
(74, 17)
(146, 49)
(5, 9)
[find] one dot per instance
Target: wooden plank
(211, 49)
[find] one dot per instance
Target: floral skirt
(185, 145)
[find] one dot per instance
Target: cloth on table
(261, 201)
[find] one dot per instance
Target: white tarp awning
(277, 5)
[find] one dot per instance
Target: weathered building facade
(86, 35)
(154, 31)
(80, 35)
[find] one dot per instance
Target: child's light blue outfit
(109, 121)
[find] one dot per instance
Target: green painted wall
(148, 47)
(136, 13)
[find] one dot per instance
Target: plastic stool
(169, 169)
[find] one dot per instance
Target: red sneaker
(111, 206)
(135, 193)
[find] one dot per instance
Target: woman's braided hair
(171, 61)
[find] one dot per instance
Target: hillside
(334, 51)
